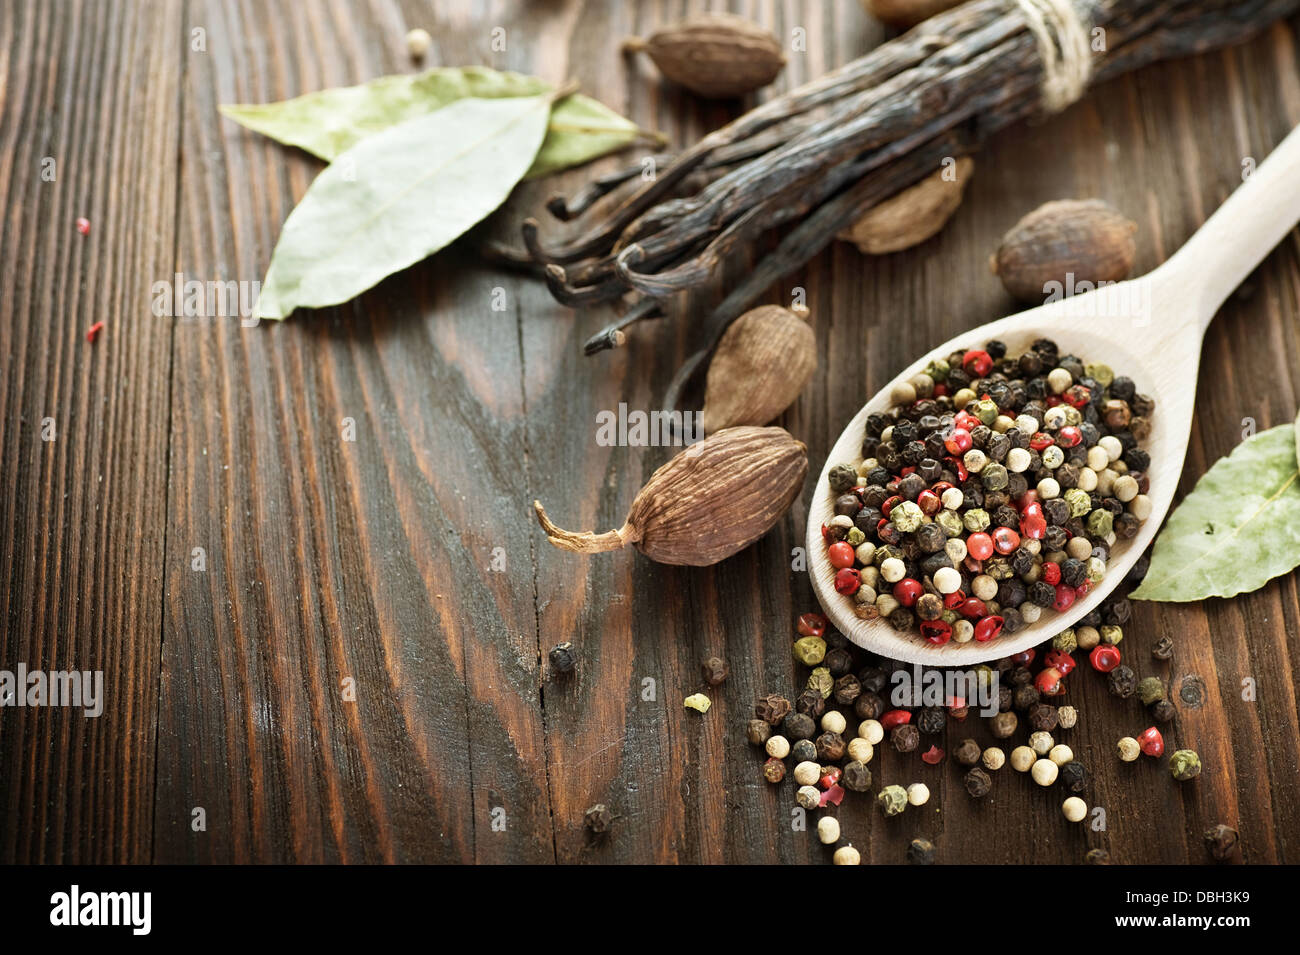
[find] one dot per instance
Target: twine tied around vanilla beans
(1063, 47)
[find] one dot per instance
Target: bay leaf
(1297, 439)
(1238, 529)
(398, 196)
(329, 122)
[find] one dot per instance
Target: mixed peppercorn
(993, 490)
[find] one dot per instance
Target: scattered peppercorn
(1129, 749)
(1221, 840)
(1044, 716)
(993, 758)
(830, 747)
(978, 783)
(932, 719)
(810, 702)
(905, 738)
(758, 731)
(1023, 759)
(563, 657)
(774, 770)
(778, 747)
(772, 709)
(1152, 743)
(1067, 717)
(828, 830)
(1184, 765)
(821, 681)
(1075, 809)
(892, 800)
(1150, 689)
(1044, 772)
(920, 852)
(1163, 649)
(803, 750)
(846, 855)
(1004, 724)
(856, 776)
(1074, 776)
(715, 671)
(808, 797)
(1121, 681)
(598, 818)
(810, 651)
(1162, 711)
(798, 726)
(967, 752)
(698, 702)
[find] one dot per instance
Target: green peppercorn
(920, 852)
(1100, 523)
(821, 680)
(1111, 634)
(856, 776)
(950, 521)
(810, 651)
(1079, 501)
(892, 800)
(1065, 641)
(967, 752)
(855, 537)
(1185, 765)
(1150, 689)
(1221, 841)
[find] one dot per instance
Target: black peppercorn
(830, 747)
(978, 783)
(772, 708)
(1041, 593)
(803, 751)
(1021, 676)
(1097, 857)
(1044, 716)
(1011, 619)
(1221, 841)
(1004, 698)
(856, 776)
(1122, 681)
(847, 689)
(873, 679)
(967, 752)
(868, 706)
(798, 726)
(920, 852)
(598, 818)
(839, 661)
(563, 657)
(1004, 724)
(715, 671)
(1073, 776)
(1117, 612)
(1162, 711)
(932, 719)
(1164, 648)
(902, 620)
(1024, 697)
(811, 702)
(905, 738)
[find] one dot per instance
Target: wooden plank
(331, 559)
(88, 128)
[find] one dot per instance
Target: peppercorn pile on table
(304, 554)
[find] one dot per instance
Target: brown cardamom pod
(716, 55)
(713, 499)
(913, 215)
(762, 362)
(1065, 246)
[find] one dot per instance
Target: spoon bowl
(1150, 329)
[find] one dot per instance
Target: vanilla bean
(614, 334)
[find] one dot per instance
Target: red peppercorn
(1005, 540)
(907, 591)
(1077, 396)
(933, 756)
(937, 632)
(977, 362)
(958, 442)
(83, 225)
(847, 581)
(834, 795)
(1104, 657)
(953, 600)
(1059, 660)
(825, 533)
(972, 608)
(841, 554)
(980, 546)
(891, 718)
(958, 468)
(1041, 441)
(966, 421)
(987, 629)
(1051, 572)
(830, 776)
(1064, 598)
(939, 487)
(928, 501)
(1024, 657)
(1152, 743)
(1048, 681)
(1083, 588)
(1070, 436)
(93, 331)
(811, 624)
(888, 506)
(940, 389)
(1032, 522)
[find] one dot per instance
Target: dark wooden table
(357, 673)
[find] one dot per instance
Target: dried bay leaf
(329, 122)
(398, 196)
(1297, 439)
(1238, 529)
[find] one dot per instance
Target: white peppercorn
(778, 747)
(1067, 717)
(1022, 759)
(847, 855)
(1044, 772)
(808, 797)
(947, 580)
(894, 570)
(1060, 754)
(807, 773)
(1041, 742)
(828, 830)
(1075, 809)
(833, 721)
(871, 731)
(993, 758)
(861, 750)
(1129, 750)
(918, 794)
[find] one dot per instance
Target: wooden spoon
(1149, 329)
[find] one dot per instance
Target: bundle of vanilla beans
(813, 161)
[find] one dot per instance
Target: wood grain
(407, 561)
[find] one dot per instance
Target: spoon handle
(1237, 237)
